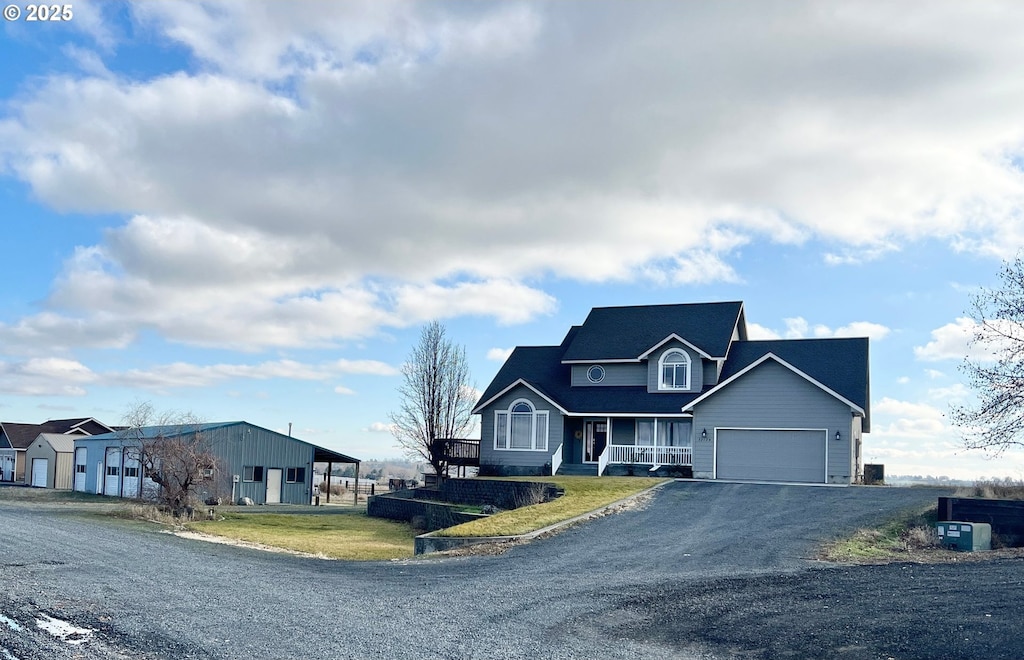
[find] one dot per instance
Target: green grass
(582, 494)
(349, 535)
(909, 532)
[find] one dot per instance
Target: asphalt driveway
(703, 570)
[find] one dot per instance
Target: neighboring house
(15, 438)
(254, 462)
(50, 460)
(679, 389)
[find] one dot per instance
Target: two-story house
(679, 389)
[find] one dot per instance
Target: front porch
(599, 446)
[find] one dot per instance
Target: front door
(595, 438)
(80, 466)
(274, 486)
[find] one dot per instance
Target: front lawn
(343, 535)
(582, 495)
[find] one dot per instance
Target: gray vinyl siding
(772, 397)
(614, 374)
(654, 370)
(710, 376)
(518, 458)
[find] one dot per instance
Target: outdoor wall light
(837, 436)
(704, 434)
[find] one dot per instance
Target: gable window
(675, 370)
(595, 374)
(521, 427)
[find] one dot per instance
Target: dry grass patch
(911, 532)
(582, 495)
(996, 489)
(335, 536)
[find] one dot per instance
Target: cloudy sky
(247, 210)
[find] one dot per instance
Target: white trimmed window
(669, 433)
(674, 367)
(521, 427)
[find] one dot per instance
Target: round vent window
(595, 374)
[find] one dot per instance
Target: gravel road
(702, 570)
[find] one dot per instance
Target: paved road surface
(704, 570)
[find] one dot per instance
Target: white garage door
(80, 458)
(771, 454)
(39, 469)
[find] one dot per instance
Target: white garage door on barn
(40, 466)
(792, 455)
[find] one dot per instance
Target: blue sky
(247, 210)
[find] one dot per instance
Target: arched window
(675, 370)
(521, 427)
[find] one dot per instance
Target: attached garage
(790, 455)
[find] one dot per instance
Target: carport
(322, 455)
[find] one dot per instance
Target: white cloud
(60, 376)
(509, 302)
(905, 419)
(45, 377)
(954, 341)
(903, 380)
(499, 354)
(798, 328)
(954, 394)
(323, 172)
(379, 427)
(340, 389)
(934, 373)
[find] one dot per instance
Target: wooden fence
(1005, 516)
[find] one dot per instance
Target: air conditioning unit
(965, 536)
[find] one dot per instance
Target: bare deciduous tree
(995, 421)
(172, 451)
(436, 397)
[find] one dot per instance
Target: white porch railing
(602, 460)
(646, 455)
(556, 460)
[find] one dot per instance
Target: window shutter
(541, 439)
(500, 430)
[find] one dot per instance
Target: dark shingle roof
(839, 364)
(625, 333)
(542, 368)
(20, 436)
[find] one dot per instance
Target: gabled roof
(59, 442)
(627, 333)
(539, 368)
(320, 454)
(841, 366)
(20, 436)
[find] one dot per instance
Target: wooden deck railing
(460, 451)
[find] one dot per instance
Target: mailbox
(966, 536)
